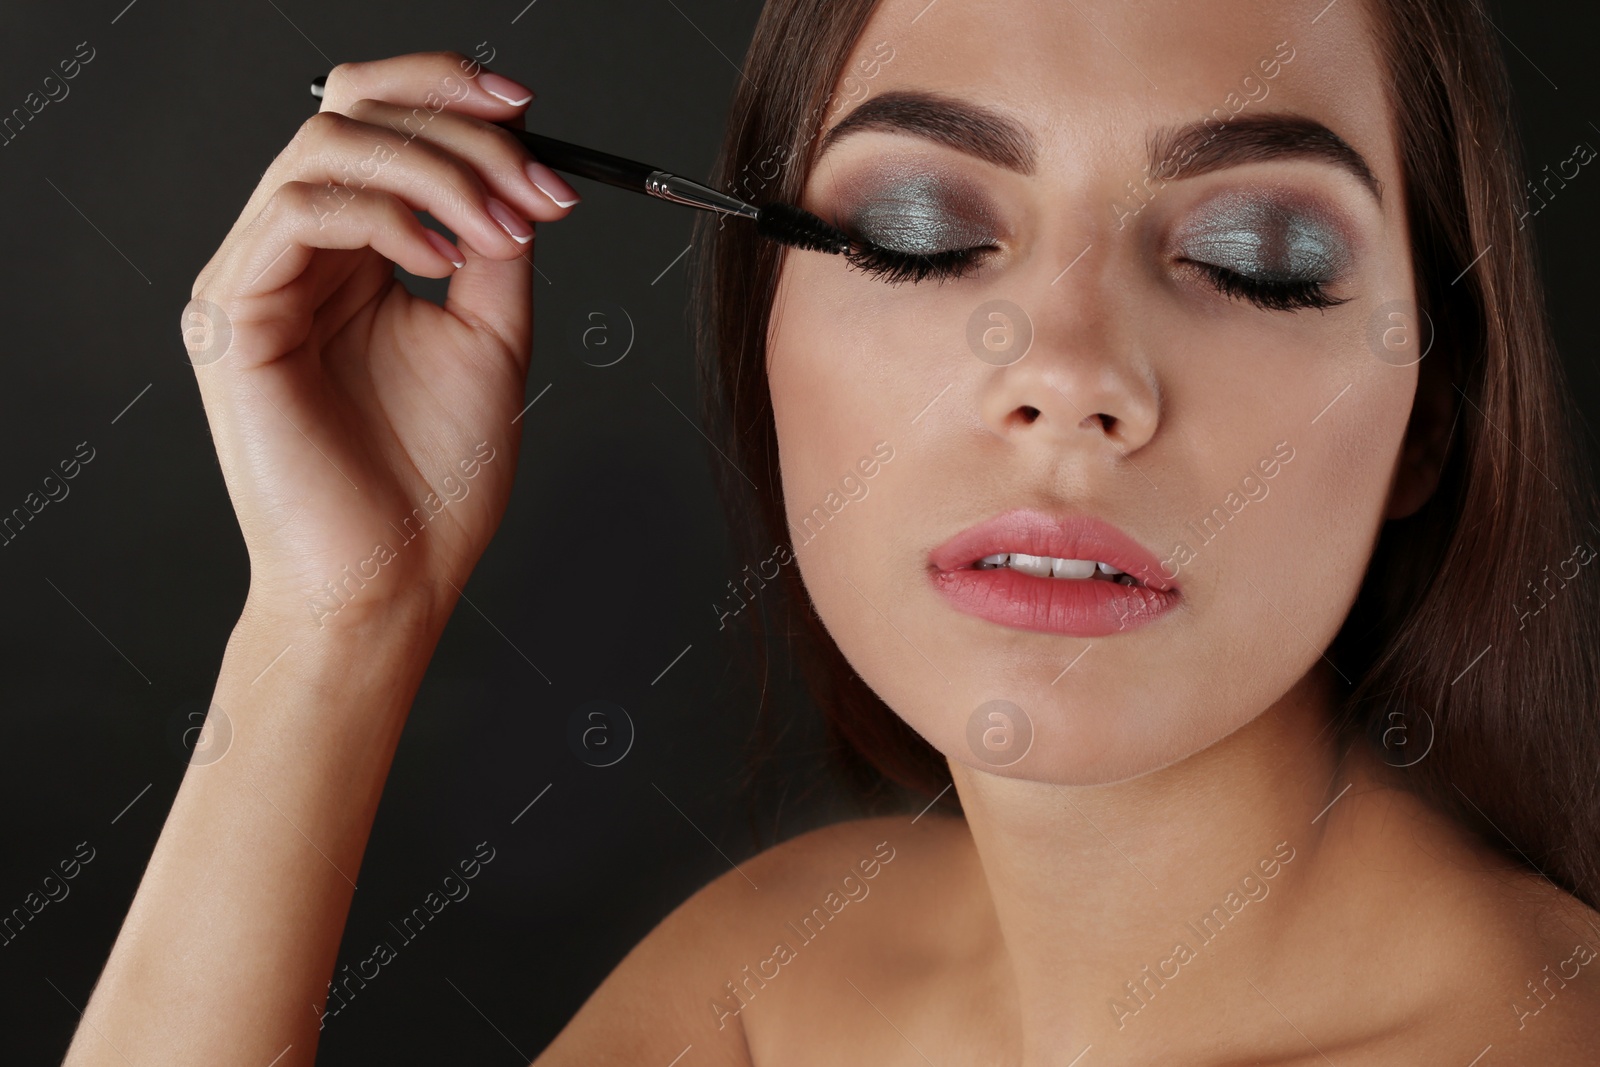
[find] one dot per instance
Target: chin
(1097, 728)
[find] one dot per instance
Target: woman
(1194, 486)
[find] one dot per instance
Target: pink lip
(1079, 608)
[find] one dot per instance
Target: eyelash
(894, 266)
(1268, 295)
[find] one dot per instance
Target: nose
(1082, 384)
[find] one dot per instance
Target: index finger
(427, 79)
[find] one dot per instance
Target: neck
(1139, 914)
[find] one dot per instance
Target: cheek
(840, 383)
(804, 374)
(1355, 457)
(1273, 587)
(847, 377)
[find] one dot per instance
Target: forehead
(1093, 80)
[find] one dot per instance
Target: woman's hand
(366, 435)
(347, 415)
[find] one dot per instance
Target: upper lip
(1061, 536)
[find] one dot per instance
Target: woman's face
(1172, 163)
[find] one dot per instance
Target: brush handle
(615, 170)
(586, 162)
(628, 174)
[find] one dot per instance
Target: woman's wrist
(370, 663)
(413, 617)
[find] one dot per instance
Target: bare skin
(1180, 763)
(1445, 954)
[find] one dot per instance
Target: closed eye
(1268, 293)
(895, 266)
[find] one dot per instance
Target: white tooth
(1073, 568)
(1106, 568)
(1038, 566)
(996, 560)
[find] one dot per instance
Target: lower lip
(1077, 607)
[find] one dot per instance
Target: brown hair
(1445, 640)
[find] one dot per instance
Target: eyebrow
(1210, 145)
(1204, 145)
(971, 128)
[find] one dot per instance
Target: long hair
(1472, 633)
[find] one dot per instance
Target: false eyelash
(894, 266)
(1269, 295)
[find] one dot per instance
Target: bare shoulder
(1523, 982)
(701, 978)
(1551, 1012)
(868, 920)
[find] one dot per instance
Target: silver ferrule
(672, 187)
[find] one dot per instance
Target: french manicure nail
(442, 245)
(509, 221)
(551, 184)
(498, 85)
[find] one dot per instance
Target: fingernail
(501, 212)
(498, 85)
(442, 245)
(551, 184)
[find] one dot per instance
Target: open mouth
(1068, 574)
(1083, 570)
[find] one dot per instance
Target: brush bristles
(795, 226)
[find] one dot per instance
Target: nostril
(1028, 413)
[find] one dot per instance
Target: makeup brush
(781, 222)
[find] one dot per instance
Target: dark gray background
(120, 598)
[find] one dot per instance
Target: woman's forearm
(230, 941)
